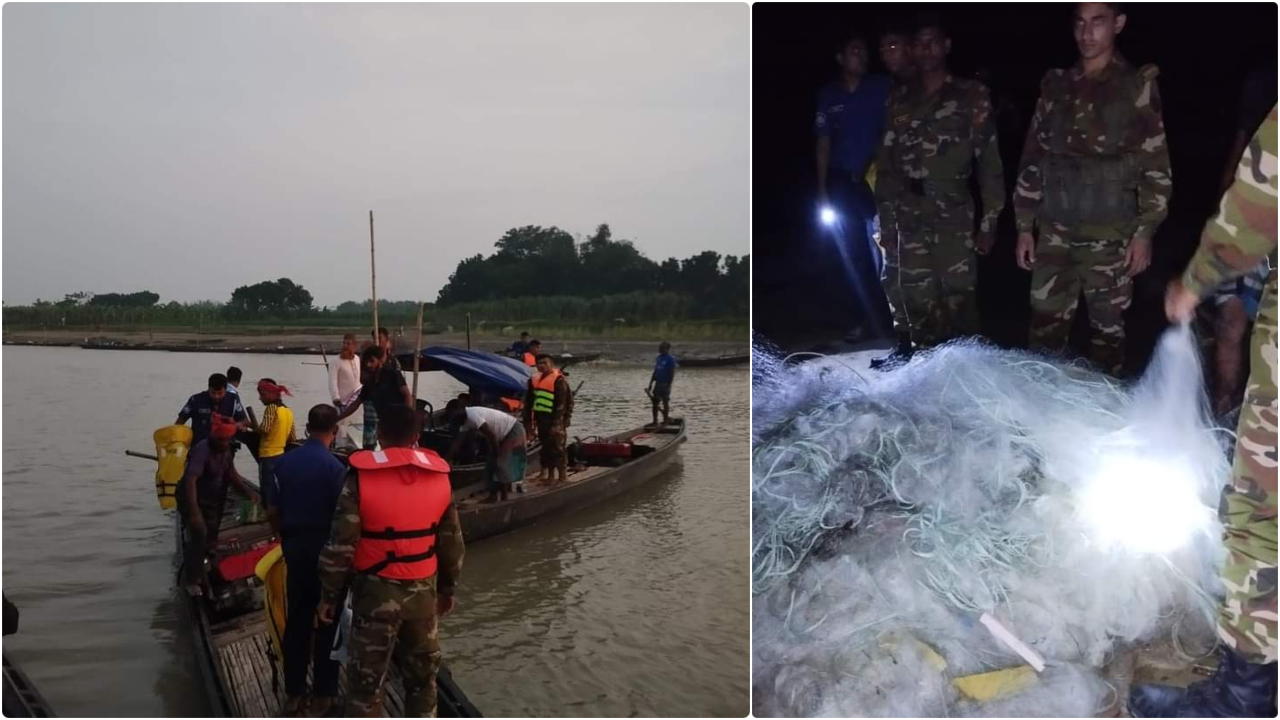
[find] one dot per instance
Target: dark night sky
(1204, 52)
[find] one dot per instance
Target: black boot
(1239, 689)
(900, 354)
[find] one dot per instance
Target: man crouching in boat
(506, 459)
(202, 494)
(396, 526)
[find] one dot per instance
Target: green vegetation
(538, 280)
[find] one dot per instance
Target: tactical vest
(544, 392)
(403, 494)
(1092, 186)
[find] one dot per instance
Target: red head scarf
(223, 429)
(272, 391)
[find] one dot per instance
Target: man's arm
(185, 413)
(822, 149)
(1029, 192)
(986, 155)
(1155, 180)
(268, 420)
(889, 182)
(449, 552)
(238, 414)
(355, 404)
(1244, 230)
(335, 559)
(560, 412)
(527, 410)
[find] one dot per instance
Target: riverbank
(310, 342)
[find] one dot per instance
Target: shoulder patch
(1149, 72)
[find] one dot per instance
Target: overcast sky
(189, 149)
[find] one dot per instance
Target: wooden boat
(240, 669)
(651, 450)
(722, 361)
(20, 696)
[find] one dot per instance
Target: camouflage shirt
(931, 146)
(335, 560)
(1244, 230)
(1085, 100)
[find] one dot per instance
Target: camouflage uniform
(1242, 234)
(1095, 175)
(390, 618)
(926, 208)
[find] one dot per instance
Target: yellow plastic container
(271, 570)
(172, 444)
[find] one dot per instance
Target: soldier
(548, 411)
(1242, 234)
(396, 525)
(895, 55)
(937, 129)
(1095, 180)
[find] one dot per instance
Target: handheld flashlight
(827, 215)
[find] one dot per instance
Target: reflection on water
(637, 606)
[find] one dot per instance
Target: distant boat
(562, 359)
(722, 361)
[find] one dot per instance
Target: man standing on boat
(344, 383)
(383, 386)
(396, 526)
(506, 438)
(308, 481)
(548, 409)
(275, 433)
(202, 494)
(201, 408)
(659, 390)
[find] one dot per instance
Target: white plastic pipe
(1012, 642)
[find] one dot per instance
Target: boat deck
(257, 693)
(240, 644)
(533, 488)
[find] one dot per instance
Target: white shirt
(500, 422)
(344, 377)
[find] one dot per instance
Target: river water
(638, 606)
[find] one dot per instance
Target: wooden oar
(144, 456)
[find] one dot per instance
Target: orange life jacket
(403, 494)
(512, 404)
(544, 391)
(530, 359)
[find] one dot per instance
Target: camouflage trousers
(1067, 264)
(937, 279)
(891, 280)
(392, 620)
(1247, 618)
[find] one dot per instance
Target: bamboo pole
(373, 279)
(417, 353)
(468, 331)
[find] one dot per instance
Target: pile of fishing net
(897, 517)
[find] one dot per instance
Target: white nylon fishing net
(891, 511)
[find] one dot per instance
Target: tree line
(536, 275)
(534, 261)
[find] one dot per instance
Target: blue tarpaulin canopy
(486, 372)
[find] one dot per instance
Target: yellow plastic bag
(271, 570)
(172, 444)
